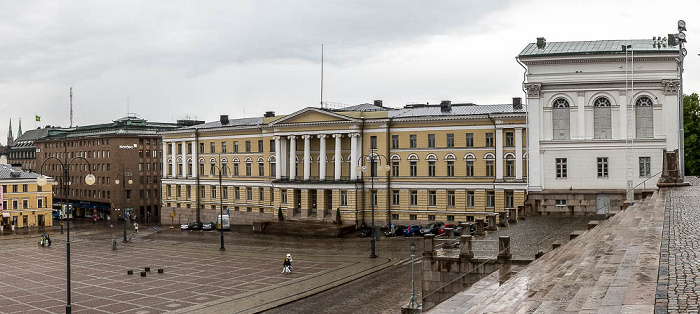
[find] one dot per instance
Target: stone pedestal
(492, 222)
(479, 228)
(512, 215)
(503, 219)
(504, 248)
(465, 247)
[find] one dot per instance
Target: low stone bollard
(555, 245)
(450, 233)
(147, 269)
(129, 272)
(479, 228)
(160, 270)
(114, 245)
(504, 248)
(465, 246)
(143, 274)
(492, 222)
(574, 235)
(539, 254)
(592, 224)
(512, 215)
(429, 244)
(503, 219)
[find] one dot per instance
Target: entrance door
(314, 200)
(297, 210)
(329, 202)
(602, 204)
(41, 222)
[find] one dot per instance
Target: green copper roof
(596, 47)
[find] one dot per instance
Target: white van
(226, 225)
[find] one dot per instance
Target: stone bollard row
(512, 215)
(492, 222)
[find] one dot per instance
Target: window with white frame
(644, 117)
(432, 198)
(470, 198)
(561, 119)
(414, 197)
(602, 167)
(561, 167)
(644, 166)
(509, 199)
(450, 198)
(343, 198)
(602, 120)
(490, 198)
(395, 198)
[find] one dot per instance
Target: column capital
(338, 135)
(291, 137)
(322, 136)
(354, 135)
(306, 136)
(276, 137)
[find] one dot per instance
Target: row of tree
(691, 125)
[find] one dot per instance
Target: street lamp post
(375, 163)
(89, 180)
(221, 202)
(124, 182)
(412, 303)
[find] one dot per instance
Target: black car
(208, 226)
(396, 231)
(196, 226)
(431, 228)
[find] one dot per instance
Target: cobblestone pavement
(679, 271)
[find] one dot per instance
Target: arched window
(602, 121)
(560, 119)
(644, 117)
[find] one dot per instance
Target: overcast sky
(199, 59)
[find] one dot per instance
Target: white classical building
(600, 115)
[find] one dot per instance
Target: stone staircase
(610, 268)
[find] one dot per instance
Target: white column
(307, 156)
(498, 137)
(292, 157)
(338, 165)
(623, 117)
(278, 158)
(165, 159)
(322, 157)
(518, 153)
(195, 160)
(283, 156)
(184, 159)
(581, 117)
(534, 135)
(174, 158)
(353, 156)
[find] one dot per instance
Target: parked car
(397, 230)
(185, 226)
(412, 230)
(366, 232)
(431, 228)
(208, 226)
(196, 226)
(457, 229)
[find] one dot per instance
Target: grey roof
(28, 138)
(7, 172)
(231, 123)
(364, 107)
(457, 110)
(595, 47)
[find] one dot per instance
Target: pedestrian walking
(136, 227)
(287, 265)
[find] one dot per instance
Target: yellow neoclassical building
(24, 203)
(416, 164)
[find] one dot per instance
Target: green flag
(38, 118)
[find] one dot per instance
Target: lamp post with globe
(124, 181)
(375, 162)
(42, 181)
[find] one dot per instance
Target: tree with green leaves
(691, 130)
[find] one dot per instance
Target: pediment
(312, 115)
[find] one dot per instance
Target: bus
(227, 222)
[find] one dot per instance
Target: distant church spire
(19, 132)
(10, 139)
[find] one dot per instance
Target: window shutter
(644, 117)
(602, 122)
(560, 122)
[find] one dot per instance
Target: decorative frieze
(533, 90)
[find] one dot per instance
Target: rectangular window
(414, 168)
(470, 198)
(272, 146)
(395, 197)
(450, 140)
(213, 191)
(450, 217)
(25, 188)
(489, 139)
(343, 198)
(413, 217)
(602, 167)
(177, 191)
(414, 197)
(373, 142)
(249, 193)
(188, 191)
(201, 148)
(431, 168)
(413, 141)
(212, 147)
(235, 169)
(432, 198)
(510, 168)
(39, 203)
(395, 169)
(247, 146)
(261, 169)
(169, 190)
(374, 197)
(431, 217)
(431, 140)
(394, 141)
(470, 168)
(490, 198)
(235, 146)
(451, 198)
(509, 199)
(248, 169)
(283, 196)
(450, 168)
(261, 195)
(394, 216)
(470, 139)
(561, 167)
(509, 139)
(260, 146)
(489, 168)
(237, 193)
(644, 166)
(223, 147)
(560, 202)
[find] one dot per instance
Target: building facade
(23, 150)
(23, 202)
(125, 158)
(600, 115)
(420, 163)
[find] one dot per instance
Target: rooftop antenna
(321, 75)
(127, 106)
(71, 107)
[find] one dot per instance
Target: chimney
(269, 114)
(224, 119)
(446, 106)
(541, 42)
(517, 103)
(378, 103)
